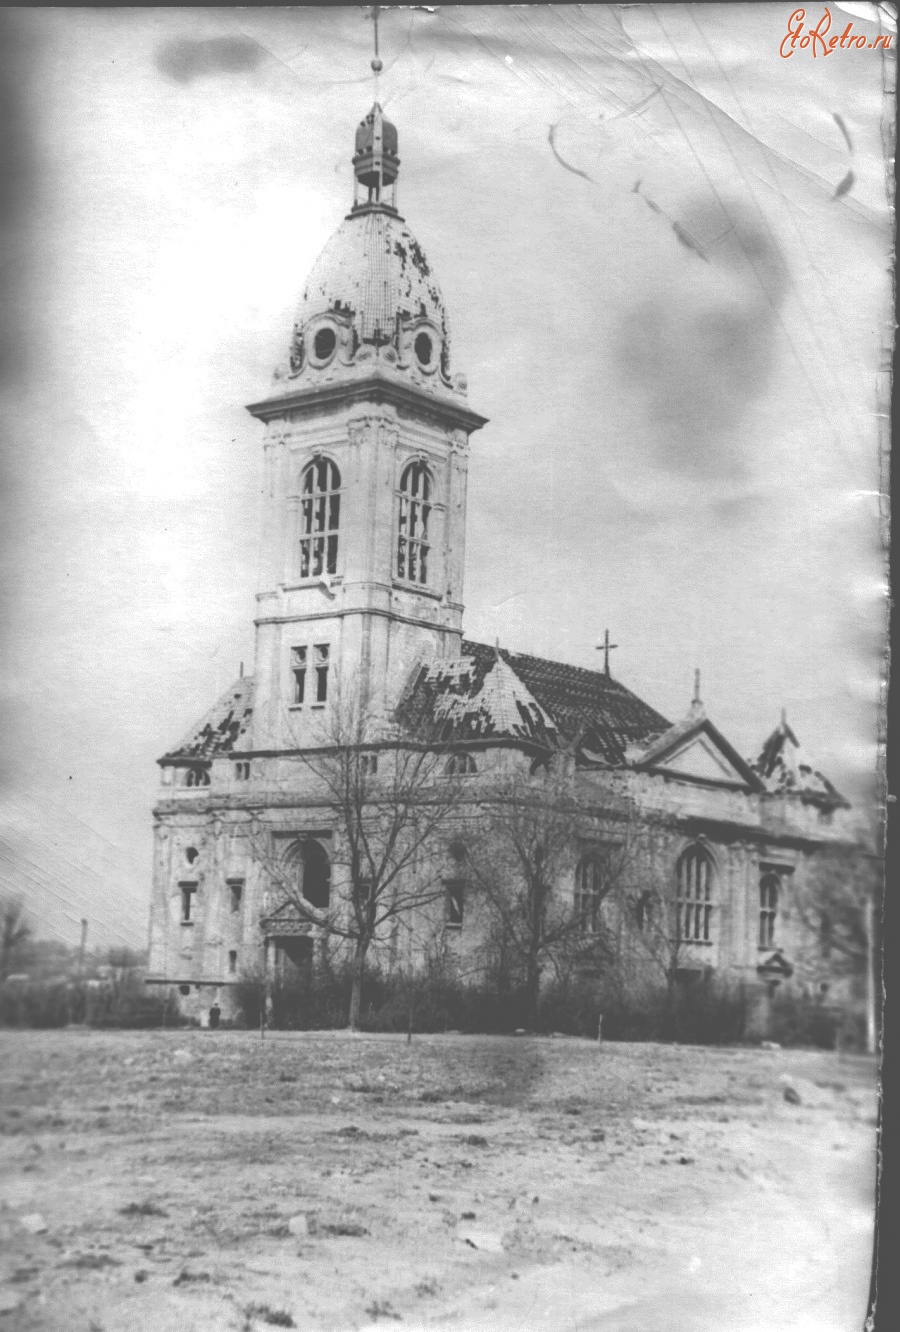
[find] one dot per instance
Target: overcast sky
(672, 314)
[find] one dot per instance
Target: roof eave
(659, 751)
(375, 387)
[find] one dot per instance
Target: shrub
(709, 1013)
(798, 1020)
(45, 1004)
(705, 1012)
(124, 1003)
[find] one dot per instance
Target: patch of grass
(348, 1228)
(91, 1262)
(142, 1209)
(381, 1309)
(185, 1277)
(263, 1313)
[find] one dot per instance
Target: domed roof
(374, 270)
(372, 305)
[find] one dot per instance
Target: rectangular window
(768, 909)
(187, 902)
(456, 889)
(298, 667)
(236, 890)
(368, 764)
(320, 657)
(232, 962)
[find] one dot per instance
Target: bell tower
(366, 453)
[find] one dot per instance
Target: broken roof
(219, 731)
(786, 769)
(489, 693)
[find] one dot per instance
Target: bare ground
(204, 1181)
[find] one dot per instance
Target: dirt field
(154, 1181)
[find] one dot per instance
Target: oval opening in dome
(324, 343)
(424, 349)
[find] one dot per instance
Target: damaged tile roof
(222, 727)
(488, 693)
(785, 768)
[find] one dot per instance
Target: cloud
(696, 344)
(186, 59)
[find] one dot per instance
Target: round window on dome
(424, 349)
(324, 343)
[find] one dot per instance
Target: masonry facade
(366, 443)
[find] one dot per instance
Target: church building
(366, 436)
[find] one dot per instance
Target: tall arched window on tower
(694, 918)
(320, 516)
(413, 540)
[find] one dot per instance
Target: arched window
(455, 887)
(588, 894)
(196, 776)
(320, 516)
(768, 909)
(455, 890)
(695, 894)
(413, 541)
(460, 765)
(313, 870)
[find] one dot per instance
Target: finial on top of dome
(377, 66)
(375, 161)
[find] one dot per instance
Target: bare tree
(531, 835)
(653, 912)
(653, 920)
(14, 933)
(832, 902)
(839, 902)
(390, 797)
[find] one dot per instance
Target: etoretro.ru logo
(799, 36)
